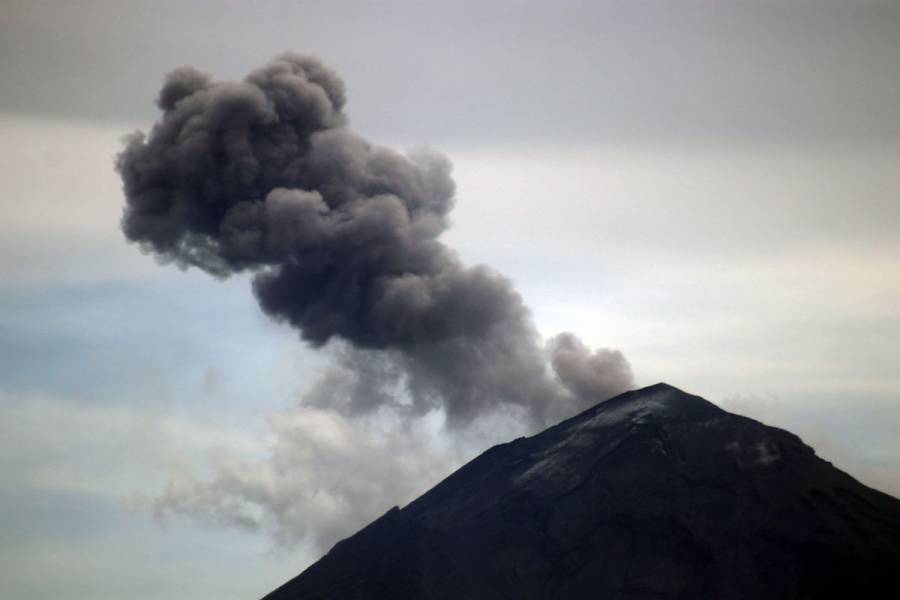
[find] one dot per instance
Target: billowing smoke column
(341, 236)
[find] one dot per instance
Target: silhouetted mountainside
(655, 494)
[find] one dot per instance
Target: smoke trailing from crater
(342, 239)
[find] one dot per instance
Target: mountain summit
(654, 494)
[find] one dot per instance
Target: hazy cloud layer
(67, 470)
(355, 446)
(325, 477)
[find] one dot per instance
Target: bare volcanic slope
(655, 494)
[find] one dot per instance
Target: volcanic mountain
(654, 494)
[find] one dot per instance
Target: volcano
(654, 494)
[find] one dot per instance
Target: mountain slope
(654, 494)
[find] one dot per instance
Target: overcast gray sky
(710, 187)
(812, 71)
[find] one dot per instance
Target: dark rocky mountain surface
(654, 494)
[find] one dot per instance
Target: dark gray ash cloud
(341, 236)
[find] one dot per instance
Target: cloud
(325, 476)
(68, 473)
(341, 237)
(355, 446)
(592, 376)
(59, 445)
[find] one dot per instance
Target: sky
(710, 188)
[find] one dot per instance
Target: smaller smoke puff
(591, 376)
(341, 236)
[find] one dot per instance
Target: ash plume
(342, 239)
